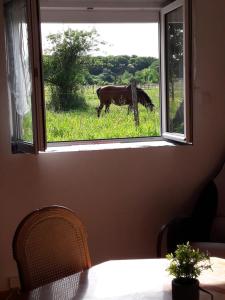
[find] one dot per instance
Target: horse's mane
(141, 91)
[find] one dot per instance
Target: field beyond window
(80, 60)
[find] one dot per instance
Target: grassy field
(85, 125)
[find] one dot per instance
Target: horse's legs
(107, 107)
(130, 108)
(99, 109)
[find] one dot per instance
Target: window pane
(19, 70)
(174, 70)
(88, 68)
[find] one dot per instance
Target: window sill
(106, 146)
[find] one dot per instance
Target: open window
(170, 113)
(24, 75)
(90, 99)
(175, 71)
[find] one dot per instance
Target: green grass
(176, 117)
(85, 125)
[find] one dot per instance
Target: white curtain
(19, 75)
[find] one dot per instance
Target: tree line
(121, 69)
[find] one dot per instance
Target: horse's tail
(98, 92)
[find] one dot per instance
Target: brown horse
(121, 95)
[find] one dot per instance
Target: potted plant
(186, 264)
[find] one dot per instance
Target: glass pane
(19, 70)
(175, 70)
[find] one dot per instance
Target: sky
(121, 39)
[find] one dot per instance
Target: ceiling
(103, 4)
(93, 11)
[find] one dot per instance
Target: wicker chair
(49, 244)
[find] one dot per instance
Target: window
(25, 82)
(24, 76)
(175, 72)
(91, 97)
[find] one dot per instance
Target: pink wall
(122, 213)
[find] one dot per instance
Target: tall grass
(85, 125)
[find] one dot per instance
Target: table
(140, 279)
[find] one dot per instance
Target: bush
(60, 100)
(65, 64)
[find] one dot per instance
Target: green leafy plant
(65, 65)
(187, 263)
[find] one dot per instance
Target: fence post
(134, 101)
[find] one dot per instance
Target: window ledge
(107, 146)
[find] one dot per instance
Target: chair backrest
(49, 244)
(195, 228)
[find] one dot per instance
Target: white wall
(122, 213)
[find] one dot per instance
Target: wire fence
(92, 88)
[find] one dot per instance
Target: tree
(150, 74)
(106, 76)
(175, 54)
(65, 66)
(126, 78)
(154, 72)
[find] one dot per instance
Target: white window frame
(187, 136)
